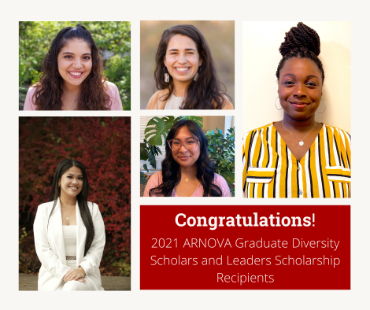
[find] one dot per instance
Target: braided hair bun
(302, 42)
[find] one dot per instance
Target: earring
(324, 106)
(275, 104)
(166, 76)
(196, 75)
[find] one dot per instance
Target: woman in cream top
(69, 233)
(185, 73)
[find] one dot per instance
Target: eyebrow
(79, 175)
(308, 76)
(73, 53)
(187, 49)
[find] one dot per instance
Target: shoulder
(112, 91)
(29, 103)
(218, 179)
(251, 133)
(45, 207)
(336, 129)
(153, 103)
(111, 88)
(156, 179)
(227, 104)
(222, 184)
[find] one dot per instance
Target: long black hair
(302, 42)
(62, 167)
(49, 90)
(205, 93)
(171, 172)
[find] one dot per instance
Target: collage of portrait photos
(113, 113)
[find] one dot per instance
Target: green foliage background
(115, 37)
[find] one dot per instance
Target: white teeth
(75, 73)
(182, 69)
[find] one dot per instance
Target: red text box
(244, 247)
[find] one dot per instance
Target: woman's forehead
(183, 132)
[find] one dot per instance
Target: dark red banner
(244, 247)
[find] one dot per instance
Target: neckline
(69, 225)
(187, 196)
(311, 146)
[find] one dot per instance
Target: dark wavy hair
(171, 172)
(302, 42)
(205, 93)
(62, 167)
(49, 90)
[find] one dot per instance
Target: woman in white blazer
(69, 233)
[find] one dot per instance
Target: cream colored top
(174, 103)
(70, 239)
(156, 102)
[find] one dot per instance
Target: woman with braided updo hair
(298, 157)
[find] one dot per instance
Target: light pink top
(156, 179)
(112, 92)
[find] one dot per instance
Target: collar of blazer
(56, 237)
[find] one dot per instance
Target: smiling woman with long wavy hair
(185, 73)
(187, 171)
(72, 76)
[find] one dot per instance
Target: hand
(74, 274)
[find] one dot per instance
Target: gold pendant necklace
(186, 180)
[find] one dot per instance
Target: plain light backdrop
(261, 56)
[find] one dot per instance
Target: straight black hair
(62, 167)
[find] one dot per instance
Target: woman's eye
(190, 142)
(69, 177)
(87, 57)
(288, 83)
(68, 57)
(80, 178)
(175, 143)
(311, 84)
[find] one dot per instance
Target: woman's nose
(183, 148)
(300, 90)
(77, 64)
(182, 58)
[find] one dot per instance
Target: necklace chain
(67, 217)
(300, 140)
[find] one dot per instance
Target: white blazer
(49, 243)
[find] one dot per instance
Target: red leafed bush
(103, 145)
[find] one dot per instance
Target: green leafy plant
(221, 150)
(159, 127)
(148, 152)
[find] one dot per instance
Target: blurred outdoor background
(102, 145)
(220, 36)
(112, 38)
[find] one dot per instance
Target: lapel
(55, 232)
(81, 236)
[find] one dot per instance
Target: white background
(261, 56)
(354, 11)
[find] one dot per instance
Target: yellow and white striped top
(270, 170)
